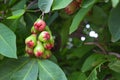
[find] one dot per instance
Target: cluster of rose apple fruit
(40, 42)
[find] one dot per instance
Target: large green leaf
(12, 23)
(9, 66)
(45, 5)
(92, 61)
(78, 18)
(16, 14)
(20, 5)
(93, 75)
(87, 3)
(50, 71)
(22, 69)
(28, 72)
(115, 66)
(114, 23)
(7, 42)
(59, 4)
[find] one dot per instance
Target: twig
(98, 45)
(115, 54)
(42, 15)
(33, 2)
(37, 10)
(102, 49)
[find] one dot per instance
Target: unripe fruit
(46, 54)
(31, 41)
(48, 45)
(44, 36)
(39, 25)
(39, 49)
(33, 30)
(72, 7)
(29, 51)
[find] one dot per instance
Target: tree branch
(98, 45)
(31, 3)
(102, 49)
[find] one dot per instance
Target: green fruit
(44, 36)
(29, 51)
(31, 41)
(39, 49)
(33, 30)
(46, 54)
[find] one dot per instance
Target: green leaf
(9, 66)
(12, 23)
(52, 18)
(80, 51)
(21, 69)
(29, 19)
(12, 2)
(78, 18)
(50, 71)
(59, 4)
(16, 14)
(92, 61)
(77, 76)
(20, 5)
(116, 75)
(114, 23)
(7, 42)
(45, 5)
(87, 3)
(65, 32)
(93, 75)
(22, 30)
(98, 17)
(115, 66)
(115, 2)
(28, 72)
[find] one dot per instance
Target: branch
(102, 49)
(98, 45)
(31, 3)
(115, 54)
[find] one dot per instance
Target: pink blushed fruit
(44, 36)
(29, 51)
(46, 54)
(39, 25)
(39, 49)
(38, 54)
(31, 41)
(48, 45)
(33, 30)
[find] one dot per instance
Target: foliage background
(92, 59)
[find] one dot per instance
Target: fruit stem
(42, 15)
